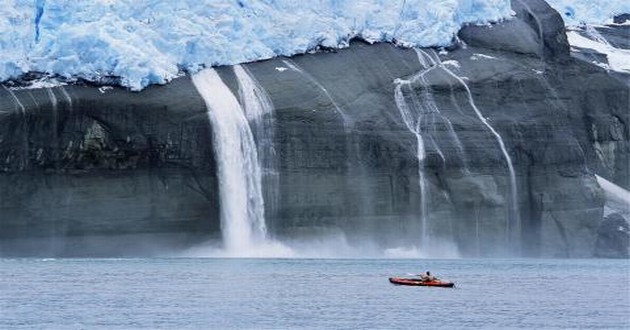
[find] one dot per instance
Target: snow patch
(45, 82)
(452, 63)
(618, 59)
(617, 198)
(478, 56)
(104, 89)
(613, 191)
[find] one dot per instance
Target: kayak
(419, 282)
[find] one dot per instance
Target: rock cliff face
(100, 171)
(103, 172)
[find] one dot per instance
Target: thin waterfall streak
(423, 193)
(458, 143)
(513, 199)
(422, 60)
(414, 115)
(412, 125)
(25, 144)
(412, 121)
(256, 102)
(438, 150)
(242, 206)
(403, 108)
(428, 96)
(259, 111)
(595, 35)
(55, 123)
(558, 103)
(53, 97)
(554, 93)
(422, 56)
(455, 102)
(293, 66)
(67, 96)
(539, 25)
(434, 143)
(435, 59)
(431, 105)
(417, 104)
(436, 147)
(17, 101)
(33, 99)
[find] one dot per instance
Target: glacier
(153, 41)
(139, 43)
(596, 12)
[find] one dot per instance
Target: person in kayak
(427, 277)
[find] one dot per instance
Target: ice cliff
(139, 43)
(589, 11)
(147, 42)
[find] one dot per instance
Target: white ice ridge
(576, 12)
(618, 59)
(153, 41)
(617, 197)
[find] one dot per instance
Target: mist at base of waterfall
(331, 245)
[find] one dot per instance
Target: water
(55, 123)
(418, 111)
(347, 122)
(311, 293)
(24, 127)
(409, 118)
(242, 205)
(259, 112)
(512, 229)
(430, 103)
(67, 96)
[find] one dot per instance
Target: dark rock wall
(613, 237)
(82, 162)
(132, 173)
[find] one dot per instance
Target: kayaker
(427, 277)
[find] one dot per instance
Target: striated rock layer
(99, 171)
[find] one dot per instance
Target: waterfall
(255, 100)
(67, 96)
(595, 35)
(422, 111)
(412, 117)
(17, 101)
(435, 110)
(411, 121)
(259, 112)
(515, 222)
(25, 145)
(242, 206)
(55, 123)
(346, 121)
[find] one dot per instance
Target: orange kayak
(419, 282)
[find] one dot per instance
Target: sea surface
(211, 293)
